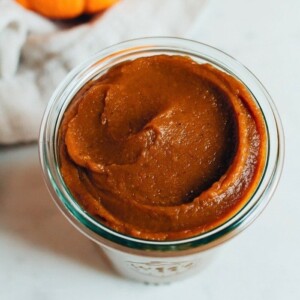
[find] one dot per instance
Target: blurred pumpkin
(66, 9)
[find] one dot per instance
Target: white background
(43, 257)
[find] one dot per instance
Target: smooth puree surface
(162, 148)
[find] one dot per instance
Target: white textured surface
(43, 257)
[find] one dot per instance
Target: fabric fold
(36, 53)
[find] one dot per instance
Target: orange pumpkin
(66, 9)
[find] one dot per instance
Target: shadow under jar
(161, 223)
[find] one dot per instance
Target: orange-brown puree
(162, 147)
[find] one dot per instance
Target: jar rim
(105, 59)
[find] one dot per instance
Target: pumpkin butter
(162, 148)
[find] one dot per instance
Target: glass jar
(143, 260)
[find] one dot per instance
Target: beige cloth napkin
(36, 53)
